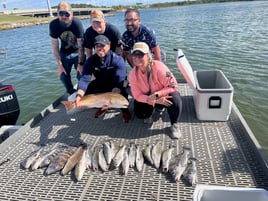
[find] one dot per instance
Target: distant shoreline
(29, 22)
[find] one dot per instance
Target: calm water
(232, 37)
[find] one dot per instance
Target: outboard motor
(9, 106)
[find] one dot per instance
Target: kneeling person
(153, 85)
(103, 72)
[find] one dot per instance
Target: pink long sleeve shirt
(161, 80)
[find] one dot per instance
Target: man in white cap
(99, 26)
(69, 51)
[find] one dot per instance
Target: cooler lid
(185, 68)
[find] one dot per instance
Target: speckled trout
(139, 158)
(103, 100)
(179, 163)
(190, 173)
(109, 151)
(83, 164)
(58, 162)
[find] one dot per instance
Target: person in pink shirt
(154, 86)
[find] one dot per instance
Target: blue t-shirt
(67, 35)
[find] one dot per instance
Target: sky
(32, 4)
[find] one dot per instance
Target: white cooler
(212, 91)
(221, 193)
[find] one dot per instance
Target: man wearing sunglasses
(66, 34)
(137, 32)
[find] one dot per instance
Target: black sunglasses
(63, 13)
(138, 54)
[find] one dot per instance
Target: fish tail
(69, 105)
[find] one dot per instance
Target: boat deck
(227, 153)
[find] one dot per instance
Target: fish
(190, 173)
(139, 158)
(125, 163)
(166, 156)
(156, 154)
(119, 156)
(73, 159)
(43, 160)
(147, 153)
(179, 163)
(102, 100)
(26, 163)
(102, 161)
(132, 155)
(58, 162)
(109, 151)
(83, 164)
(95, 159)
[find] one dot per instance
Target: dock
(228, 155)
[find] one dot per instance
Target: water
(232, 37)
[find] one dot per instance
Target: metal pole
(49, 8)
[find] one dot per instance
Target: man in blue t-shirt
(104, 71)
(66, 34)
(137, 32)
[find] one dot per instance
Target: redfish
(102, 100)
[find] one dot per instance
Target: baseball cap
(141, 46)
(101, 39)
(96, 15)
(64, 6)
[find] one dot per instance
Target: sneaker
(126, 115)
(175, 131)
(148, 120)
(100, 112)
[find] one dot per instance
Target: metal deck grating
(224, 150)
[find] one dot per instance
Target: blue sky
(31, 4)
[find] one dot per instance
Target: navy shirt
(111, 32)
(145, 35)
(67, 35)
(111, 72)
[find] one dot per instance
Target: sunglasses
(138, 55)
(130, 20)
(63, 13)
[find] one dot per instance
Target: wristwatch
(78, 95)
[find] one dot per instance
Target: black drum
(9, 105)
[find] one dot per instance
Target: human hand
(151, 99)
(80, 69)
(61, 69)
(164, 101)
(77, 100)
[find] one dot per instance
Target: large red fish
(103, 100)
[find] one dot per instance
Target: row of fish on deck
(108, 156)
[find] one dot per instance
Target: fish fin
(69, 105)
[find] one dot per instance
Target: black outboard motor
(9, 106)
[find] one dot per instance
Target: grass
(12, 21)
